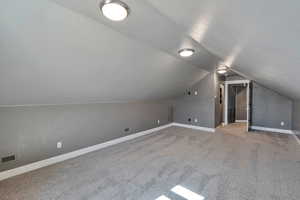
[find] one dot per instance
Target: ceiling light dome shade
(222, 69)
(186, 52)
(114, 10)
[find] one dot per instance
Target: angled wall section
(197, 105)
(271, 109)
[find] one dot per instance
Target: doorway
(237, 102)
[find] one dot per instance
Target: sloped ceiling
(65, 51)
(258, 38)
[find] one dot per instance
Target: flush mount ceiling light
(114, 10)
(186, 52)
(222, 69)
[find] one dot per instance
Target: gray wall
(271, 108)
(201, 106)
(31, 133)
(296, 116)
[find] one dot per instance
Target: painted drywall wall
(200, 106)
(270, 109)
(296, 116)
(31, 133)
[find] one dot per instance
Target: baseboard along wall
(56, 159)
(73, 154)
(194, 127)
(275, 130)
(297, 136)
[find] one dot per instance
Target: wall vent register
(8, 158)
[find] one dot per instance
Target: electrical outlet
(282, 123)
(196, 120)
(196, 93)
(158, 121)
(59, 145)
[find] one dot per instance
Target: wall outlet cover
(282, 123)
(158, 121)
(196, 92)
(59, 145)
(195, 120)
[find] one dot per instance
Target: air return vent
(8, 158)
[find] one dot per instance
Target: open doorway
(237, 103)
(233, 101)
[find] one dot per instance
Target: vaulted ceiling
(258, 38)
(65, 51)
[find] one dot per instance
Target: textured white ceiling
(257, 38)
(51, 54)
(65, 51)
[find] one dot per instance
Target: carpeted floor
(227, 165)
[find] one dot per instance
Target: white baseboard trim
(56, 159)
(194, 127)
(295, 133)
(240, 120)
(276, 130)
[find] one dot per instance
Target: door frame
(227, 83)
(222, 86)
